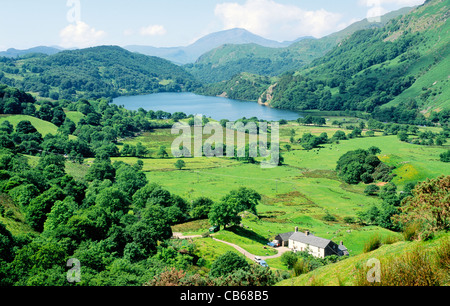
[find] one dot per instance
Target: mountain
(397, 73)
(105, 71)
(41, 49)
(228, 60)
(189, 54)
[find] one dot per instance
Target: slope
(349, 271)
(228, 60)
(389, 66)
(105, 71)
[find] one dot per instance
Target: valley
(360, 119)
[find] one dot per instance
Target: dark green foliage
(362, 166)
(201, 207)
(227, 264)
(227, 210)
(241, 87)
(445, 157)
(105, 71)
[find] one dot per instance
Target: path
(281, 250)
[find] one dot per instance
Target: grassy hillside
(43, 127)
(226, 61)
(402, 64)
(351, 271)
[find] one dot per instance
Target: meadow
(302, 193)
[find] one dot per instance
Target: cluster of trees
(93, 73)
(363, 166)
(114, 221)
(419, 211)
(427, 138)
(239, 87)
(382, 214)
(14, 101)
(229, 269)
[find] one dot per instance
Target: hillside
(352, 270)
(228, 60)
(190, 53)
(106, 71)
(398, 73)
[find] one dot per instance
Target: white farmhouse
(316, 246)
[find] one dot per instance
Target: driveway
(281, 250)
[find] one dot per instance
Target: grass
(348, 271)
(43, 127)
(298, 194)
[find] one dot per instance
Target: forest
(105, 71)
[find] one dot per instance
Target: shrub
(301, 267)
(445, 157)
(414, 268)
(443, 255)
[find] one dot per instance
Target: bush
(227, 264)
(301, 267)
(445, 157)
(414, 268)
(372, 190)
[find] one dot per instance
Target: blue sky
(85, 23)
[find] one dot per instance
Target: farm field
(300, 193)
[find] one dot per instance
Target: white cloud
(80, 35)
(153, 30)
(396, 2)
(377, 8)
(277, 21)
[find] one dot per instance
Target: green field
(43, 127)
(299, 193)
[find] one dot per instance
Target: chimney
(307, 233)
(296, 229)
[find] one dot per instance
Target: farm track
(281, 250)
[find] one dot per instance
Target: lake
(214, 107)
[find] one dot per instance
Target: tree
(227, 264)
(101, 169)
(289, 259)
(162, 153)
(36, 212)
(180, 164)
(129, 180)
(402, 136)
(223, 213)
(201, 207)
(445, 157)
(25, 127)
(372, 190)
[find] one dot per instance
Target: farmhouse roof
(310, 239)
(285, 236)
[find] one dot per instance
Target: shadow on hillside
(243, 232)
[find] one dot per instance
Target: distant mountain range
(41, 49)
(189, 54)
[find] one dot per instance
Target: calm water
(214, 107)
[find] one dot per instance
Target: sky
(170, 23)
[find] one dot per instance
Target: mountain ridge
(190, 53)
(226, 61)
